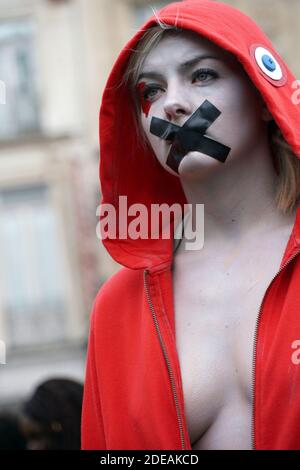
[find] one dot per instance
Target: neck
(239, 200)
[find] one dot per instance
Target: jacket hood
(127, 169)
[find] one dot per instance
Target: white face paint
(175, 92)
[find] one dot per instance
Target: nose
(176, 104)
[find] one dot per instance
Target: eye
(150, 92)
(200, 73)
(267, 63)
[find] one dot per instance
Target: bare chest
(216, 309)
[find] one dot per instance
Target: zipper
(255, 344)
(171, 375)
(179, 417)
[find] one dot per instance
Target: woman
(50, 419)
(198, 349)
(11, 437)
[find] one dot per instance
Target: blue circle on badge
(268, 62)
(271, 68)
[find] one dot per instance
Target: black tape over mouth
(190, 137)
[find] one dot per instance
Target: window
(19, 115)
(31, 267)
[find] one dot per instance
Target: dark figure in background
(51, 418)
(11, 437)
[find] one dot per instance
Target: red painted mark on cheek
(146, 105)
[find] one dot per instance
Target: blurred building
(55, 58)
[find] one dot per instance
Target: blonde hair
(286, 163)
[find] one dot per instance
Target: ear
(265, 113)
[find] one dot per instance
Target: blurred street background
(55, 56)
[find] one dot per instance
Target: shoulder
(123, 281)
(118, 294)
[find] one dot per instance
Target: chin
(195, 163)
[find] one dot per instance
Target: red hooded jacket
(133, 396)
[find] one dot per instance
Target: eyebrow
(182, 67)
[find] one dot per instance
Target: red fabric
(133, 396)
